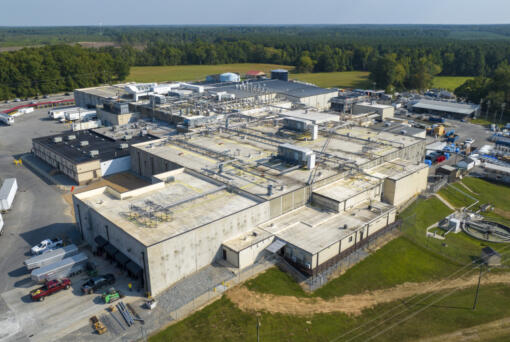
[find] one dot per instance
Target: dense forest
(398, 56)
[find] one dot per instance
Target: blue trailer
(436, 119)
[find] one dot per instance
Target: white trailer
(6, 119)
(59, 113)
(79, 126)
(51, 257)
(82, 114)
(7, 193)
(64, 268)
(1, 224)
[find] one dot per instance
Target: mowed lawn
(224, 321)
(345, 79)
(348, 79)
(194, 72)
(449, 82)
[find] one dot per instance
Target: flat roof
(290, 88)
(373, 105)
(312, 116)
(247, 239)
(107, 147)
(247, 163)
(396, 169)
(444, 106)
(175, 207)
(113, 91)
(347, 187)
(313, 230)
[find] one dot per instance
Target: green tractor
(111, 296)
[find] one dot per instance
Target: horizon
(56, 13)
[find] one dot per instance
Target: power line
(406, 309)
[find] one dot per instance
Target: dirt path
(482, 332)
(448, 204)
(247, 300)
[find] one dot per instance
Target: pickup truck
(51, 287)
(96, 283)
(46, 245)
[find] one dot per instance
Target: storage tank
(280, 74)
(229, 77)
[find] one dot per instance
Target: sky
(251, 12)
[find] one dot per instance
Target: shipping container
(7, 193)
(66, 267)
(50, 257)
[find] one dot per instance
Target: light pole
(487, 110)
(503, 105)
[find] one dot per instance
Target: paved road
(39, 210)
(11, 103)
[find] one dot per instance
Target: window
(350, 238)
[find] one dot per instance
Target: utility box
(297, 155)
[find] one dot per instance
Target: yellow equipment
(98, 326)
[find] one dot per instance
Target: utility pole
(478, 287)
(258, 327)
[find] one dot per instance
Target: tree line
(398, 57)
(50, 69)
(492, 92)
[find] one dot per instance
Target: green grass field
(449, 82)
(223, 321)
(194, 72)
(347, 79)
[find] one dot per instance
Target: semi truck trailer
(51, 257)
(66, 267)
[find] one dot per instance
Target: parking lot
(39, 211)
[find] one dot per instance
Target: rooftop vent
(123, 146)
(57, 139)
(84, 143)
(93, 153)
(127, 137)
(71, 137)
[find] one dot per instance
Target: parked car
(96, 283)
(17, 100)
(51, 287)
(46, 245)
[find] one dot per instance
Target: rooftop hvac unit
(57, 139)
(123, 146)
(84, 143)
(93, 153)
(127, 137)
(71, 137)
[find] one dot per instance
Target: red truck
(51, 287)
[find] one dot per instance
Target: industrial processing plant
(255, 170)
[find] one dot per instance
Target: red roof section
(255, 73)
